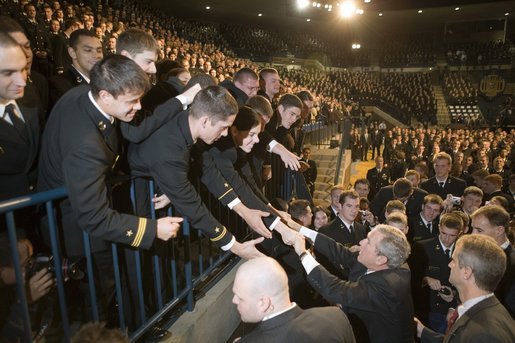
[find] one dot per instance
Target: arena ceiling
(393, 12)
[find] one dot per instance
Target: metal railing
(176, 277)
(320, 134)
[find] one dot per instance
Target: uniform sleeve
(245, 193)
(84, 173)
(378, 204)
(212, 178)
(139, 130)
(172, 178)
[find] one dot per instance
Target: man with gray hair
(380, 298)
(261, 296)
(494, 221)
(477, 266)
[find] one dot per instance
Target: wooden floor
(359, 169)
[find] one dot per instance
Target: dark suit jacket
(429, 259)
(453, 186)
(505, 290)
(310, 175)
(169, 165)
(418, 231)
(60, 84)
(62, 59)
(147, 122)
(487, 321)
(322, 324)
(380, 299)
(385, 194)
(240, 96)
(158, 94)
(36, 95)
(377, 180)
(332, 215)
(338, 231)
(18, 153)
(79, 151)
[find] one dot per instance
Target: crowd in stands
(417, 52)
(458, 89)
(402, 94)
(478, 53)
(253, 41)
(194, 56)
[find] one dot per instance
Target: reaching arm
(138, 130)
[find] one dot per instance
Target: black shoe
(157, 334)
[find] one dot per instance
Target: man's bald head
(260, 289)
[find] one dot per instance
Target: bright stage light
(302, 4)
(347, 9)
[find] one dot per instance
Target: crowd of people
(416, 52)
(90, 92)
(404, 95)
(478, 53)
(459, 90)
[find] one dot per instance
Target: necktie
(448, 253)
(18, 124)
(429, 228)
(441, 184)
(351, 229)
(451, 321)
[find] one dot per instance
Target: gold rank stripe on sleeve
(220, 236)
(142, 226)
(220, 197)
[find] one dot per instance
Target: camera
(71, 269)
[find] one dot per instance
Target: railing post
(91, 279)
(155, 257)
(57, 266)
(139, 279)
(20, 281)
(118, 285)
(187, 264)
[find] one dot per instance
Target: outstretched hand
(290, 160)
(247, 250)
(300, 244)
(253, 218)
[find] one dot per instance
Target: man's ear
(105, 96)
(72, 53)
(126, 54)
(265, 305)
(381, 260)
(499, 230)
(204, 121)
